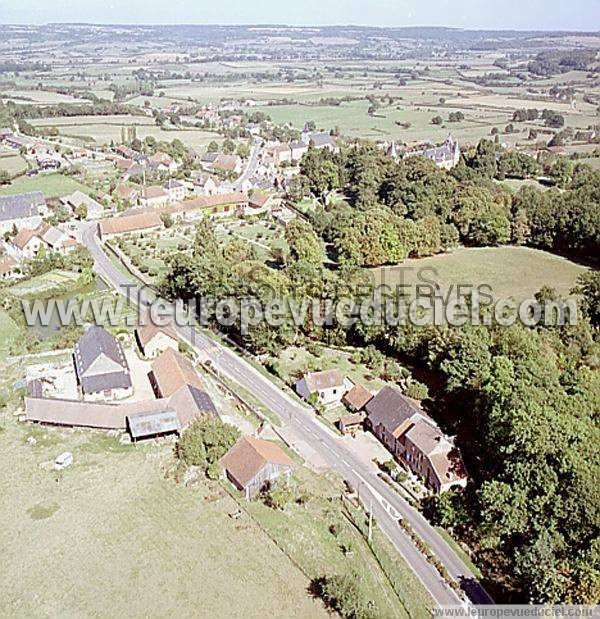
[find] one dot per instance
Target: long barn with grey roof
(23, 210)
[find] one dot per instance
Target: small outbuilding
(349, 424)
(153, 424)
(252, 463)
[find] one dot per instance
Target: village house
(24, 210)
(206, 185)
(217, 205)
(297, 149)
(28, 242)
(218, 162)
(433, 457)
(101, 367)
(326, 387)
(253, 465)
(126, 193)
(162, 162)
(73, 201)
(445, 156)
(154, 340)
(124, 164)
(152, 424)
(320, 140)
(113, 226)
(258, 202)
(209, 115)
(19, 141)
(352, 423)
(126, 152)
(154, 195)
(280, 153)
(414, 440)
(389, 415)
(48, 160)
(144, 419)
(175, 189)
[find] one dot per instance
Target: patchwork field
(516, 272)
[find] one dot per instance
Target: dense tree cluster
(412, 208)
(552, 62)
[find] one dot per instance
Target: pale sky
(485, 14)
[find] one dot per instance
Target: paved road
(386, 504)
(250, 167)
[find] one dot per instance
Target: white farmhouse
(330, 386)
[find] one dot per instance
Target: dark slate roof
(203, 400)
(209, 157)
(21, 206)
(93, 343)
(34, 388)
(390, 409)
(154, 422)
(321, 139)
(102, 382)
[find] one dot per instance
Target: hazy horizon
(549, 15)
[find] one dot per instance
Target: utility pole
(370, 519)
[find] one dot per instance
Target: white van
(63, 461)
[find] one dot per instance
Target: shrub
(344, 593)
(206, 441)
(416, 390)
(279, 496)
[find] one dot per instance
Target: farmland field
(510, 271)
(103, 130)
(353, 120)
(12, 162)
(115, 534)
(55, 184)
(38, 97)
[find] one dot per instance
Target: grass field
(12, 162)
(353, 120)
(114, 534)
(305, 533)
(46, 285)
(510, 271)
(9, 333)
(292, 362)
(50, 185)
